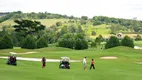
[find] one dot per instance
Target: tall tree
(6, 42)
(41, 43)
(28, 27)
(28, 43)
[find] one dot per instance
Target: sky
(128, 9)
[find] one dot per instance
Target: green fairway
(138, 43)
(105, 70)
(124, 68)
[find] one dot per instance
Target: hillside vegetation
(54, 27)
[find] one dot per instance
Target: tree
(58, 23)
(138, 37)
(127, 41)
(84, 17)
(80, 30)
(15, 39)
(112, 42)
(28, 43)
(93, 33)
(93, 44)
(80, 42)
(96, 23)
(83, 22)
(73, 41)
(72, 28)
(28, 27)
(67, 41)
(64, 30)
(6, 42)
(115, 28)
(99, 39)
(41, 43)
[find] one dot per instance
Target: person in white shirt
(84, 62)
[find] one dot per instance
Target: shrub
(127, 41)
(138, 37)
(58, 23)
(112, 42)
(67, 41)
(73, 41)
(28, 43)
(81, 44)
(93, 44)
(41, 43)
(93, 33)
(6, 42)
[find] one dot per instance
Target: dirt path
(38, 59)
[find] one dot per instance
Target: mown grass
(46, 22)
(57, 52)
(123, 68)
(138, 43)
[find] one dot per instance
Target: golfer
(43, 62)
(84, 62)
(92, 64)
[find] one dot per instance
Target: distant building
(119, 35)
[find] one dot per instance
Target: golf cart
(64, 63)
(12, 59)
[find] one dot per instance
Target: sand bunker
(139, 62)
(108, 57)
(23, 53)
(28, 53)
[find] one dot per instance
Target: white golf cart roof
(65, 58)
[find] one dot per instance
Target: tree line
(33, 15)
(32, 34)
(119, 23)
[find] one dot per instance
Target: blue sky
(112, 8)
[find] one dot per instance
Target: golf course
(125, 67)
(32, 44)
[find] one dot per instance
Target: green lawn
(124, 68)
(46, 22)
(138, 43)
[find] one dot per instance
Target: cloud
(112, 8)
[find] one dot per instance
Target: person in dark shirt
(43, 62)
(92, 64)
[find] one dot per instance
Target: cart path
(39, 59)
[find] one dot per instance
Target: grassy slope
(100, 29)
(47, 22)
(57, 52)
(138, 43)
(122, 69)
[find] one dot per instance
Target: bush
(93, 33)
(6, 42)
(99, 39)
(93, 44)
(41, 43)
(138, 37)
(58, 23)
(81, 44)
(28, 43)
(67, 41)
(73, 41)
(112, 42)
(127, 41)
